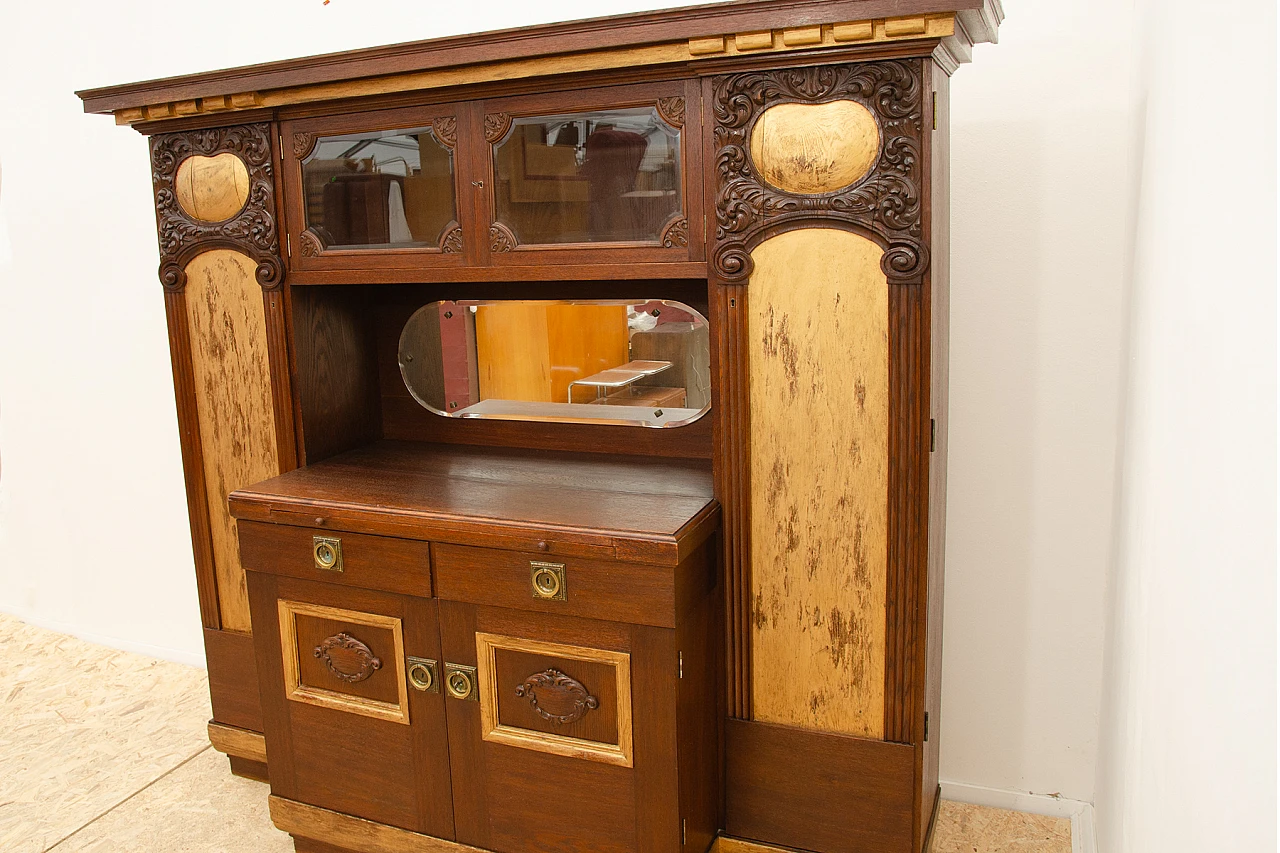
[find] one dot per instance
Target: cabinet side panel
(233, 390)
(818, 353)
(939, 315)
(816, 791)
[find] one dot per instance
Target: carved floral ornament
(556, 697)
(885, 203)
(347, 659)
(251, 231)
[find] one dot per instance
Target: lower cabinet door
(352, 699)
(562, 732)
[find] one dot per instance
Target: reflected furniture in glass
(563, 417)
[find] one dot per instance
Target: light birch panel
(819, 376)
(228, 327)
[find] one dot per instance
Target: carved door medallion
(559, 699)
(344, 660)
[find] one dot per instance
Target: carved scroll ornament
(348, 659)
(252, 231)
(556, 697)
(885, 203)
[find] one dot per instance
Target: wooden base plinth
(816, 791)
(248, 769)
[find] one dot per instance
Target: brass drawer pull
(548, 580)
(422, 675)
(460, 681)
(327, 551)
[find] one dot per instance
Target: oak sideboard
(563, 413)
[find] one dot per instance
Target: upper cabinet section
(599, 176)
(590, 182)
(374, 189)
(382, 189)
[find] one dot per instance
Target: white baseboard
(1083, 838)
(161, 652)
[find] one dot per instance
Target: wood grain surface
(212, 189)
(353, 833)
(815, 791)
(553, 503)
(233, 388)
(819, 369)
(815, 148)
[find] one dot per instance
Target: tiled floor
(106, 751)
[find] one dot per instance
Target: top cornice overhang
(683, 33)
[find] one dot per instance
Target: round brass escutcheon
(547, 583)
(421, 676)
(459, 684)
(810, 149)
(326, 557)
(211, 189)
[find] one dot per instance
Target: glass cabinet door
(365, 189)
(577, 174)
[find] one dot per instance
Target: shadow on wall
(1039, 218)
(993, 376)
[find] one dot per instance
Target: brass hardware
(422, 675)
(460, 681)
(328, 553)
(548, 580)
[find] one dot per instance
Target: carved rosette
(496, 126)
(303, 143)
(445, 130)
(347, 659)
(556, 697)
(500, 238)
(676, 235)
(451, 239)
(886, 202)
(672, 111)
(310, 245)
(251, 231)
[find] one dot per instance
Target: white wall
(1189, 728)
(1041, 138)
(93, 533)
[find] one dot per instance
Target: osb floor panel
(963, 828)
(106, 752)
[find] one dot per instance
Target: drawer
(351, 559)
(618, 592)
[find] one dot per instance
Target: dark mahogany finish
(442, 523)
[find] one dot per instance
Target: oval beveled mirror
(639, 363)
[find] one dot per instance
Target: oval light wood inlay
(815, 148)
(212, 189)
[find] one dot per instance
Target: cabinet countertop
(639, 509)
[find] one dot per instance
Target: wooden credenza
(437, 622)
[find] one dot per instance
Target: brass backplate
(423, 674)
(548, 580)
(460, 682)
(327, 551)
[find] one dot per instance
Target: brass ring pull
(548, 580)
(327, 551)
(422, 675)
(460, 681)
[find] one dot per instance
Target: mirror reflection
(600, 176)
(380, 188)
(639, 363)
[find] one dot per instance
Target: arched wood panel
(229, 359)
(819, 377)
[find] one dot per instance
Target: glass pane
(639, 363)
(602, 176)
(380, 188)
